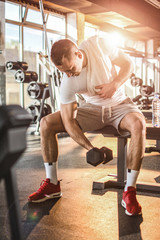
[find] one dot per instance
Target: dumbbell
(135, 81)
(95, 156)
(25, 77)
(16, 65)
(146, 90)
(137, 99)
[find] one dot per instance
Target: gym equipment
(152, 149)
(146, 90)
(14, 121)
(118, 180)
(35, 90)
(135, 81)
(57, 77)
(48, 66)
(137, 99)
(16, 65)
(34, 110)
(144, 100)
(95, 156)
(145, 103)
(25, 77)
(52, 76)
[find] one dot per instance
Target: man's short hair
(61, 48)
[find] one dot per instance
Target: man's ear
(79, 54)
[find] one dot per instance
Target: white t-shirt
(78, 84)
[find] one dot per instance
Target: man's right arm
(68, 112)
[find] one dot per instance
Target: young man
(90, 70)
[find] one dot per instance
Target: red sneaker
(46, 191)
(130, 203)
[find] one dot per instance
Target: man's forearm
(77, 134)
(107, 90)
(123, 75)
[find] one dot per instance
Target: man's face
(72, 66)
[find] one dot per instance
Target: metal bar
(152, 188)
(52, 68)
(121, 158)
(108, 183)
(33, 25)
(41, 110)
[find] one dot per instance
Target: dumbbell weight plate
(35, 90)
(136, 82)
(94, 157)
(25, 77)
(47, 109)
(34, 111)
(16, 65)
(12, 66)
(30, 76)
(19, 76)
(23, 65)
(146, 90)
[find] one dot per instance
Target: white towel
(99, 66)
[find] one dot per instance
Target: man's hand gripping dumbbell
(95, 156)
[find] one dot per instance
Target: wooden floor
(81, 214)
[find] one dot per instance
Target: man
(90, 71)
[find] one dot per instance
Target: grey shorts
(91, 117)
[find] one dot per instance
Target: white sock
(132, 176)
(51, 171)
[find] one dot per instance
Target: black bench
(14, 121)
(118, 181)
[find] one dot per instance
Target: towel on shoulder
(99, 54)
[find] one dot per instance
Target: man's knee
(44, 124)
(138, 126)
(51, 124)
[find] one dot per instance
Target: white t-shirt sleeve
(67, 92)
(108, 48)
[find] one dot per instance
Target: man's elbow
(129, 67)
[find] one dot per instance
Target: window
(28, 47)
(12, 40)
(12, 12)
(34, 17)
(33, 43)
(56, 23)
(32, 40)
(12, 54)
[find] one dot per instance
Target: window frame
(24, 23)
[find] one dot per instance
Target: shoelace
(42, 186)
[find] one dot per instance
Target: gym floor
(80, 214)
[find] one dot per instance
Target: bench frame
(118, 181)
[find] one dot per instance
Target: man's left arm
(126, 68)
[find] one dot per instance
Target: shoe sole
(51, 196)
(126, 212)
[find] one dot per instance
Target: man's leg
(135, 124)
(49, 127)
